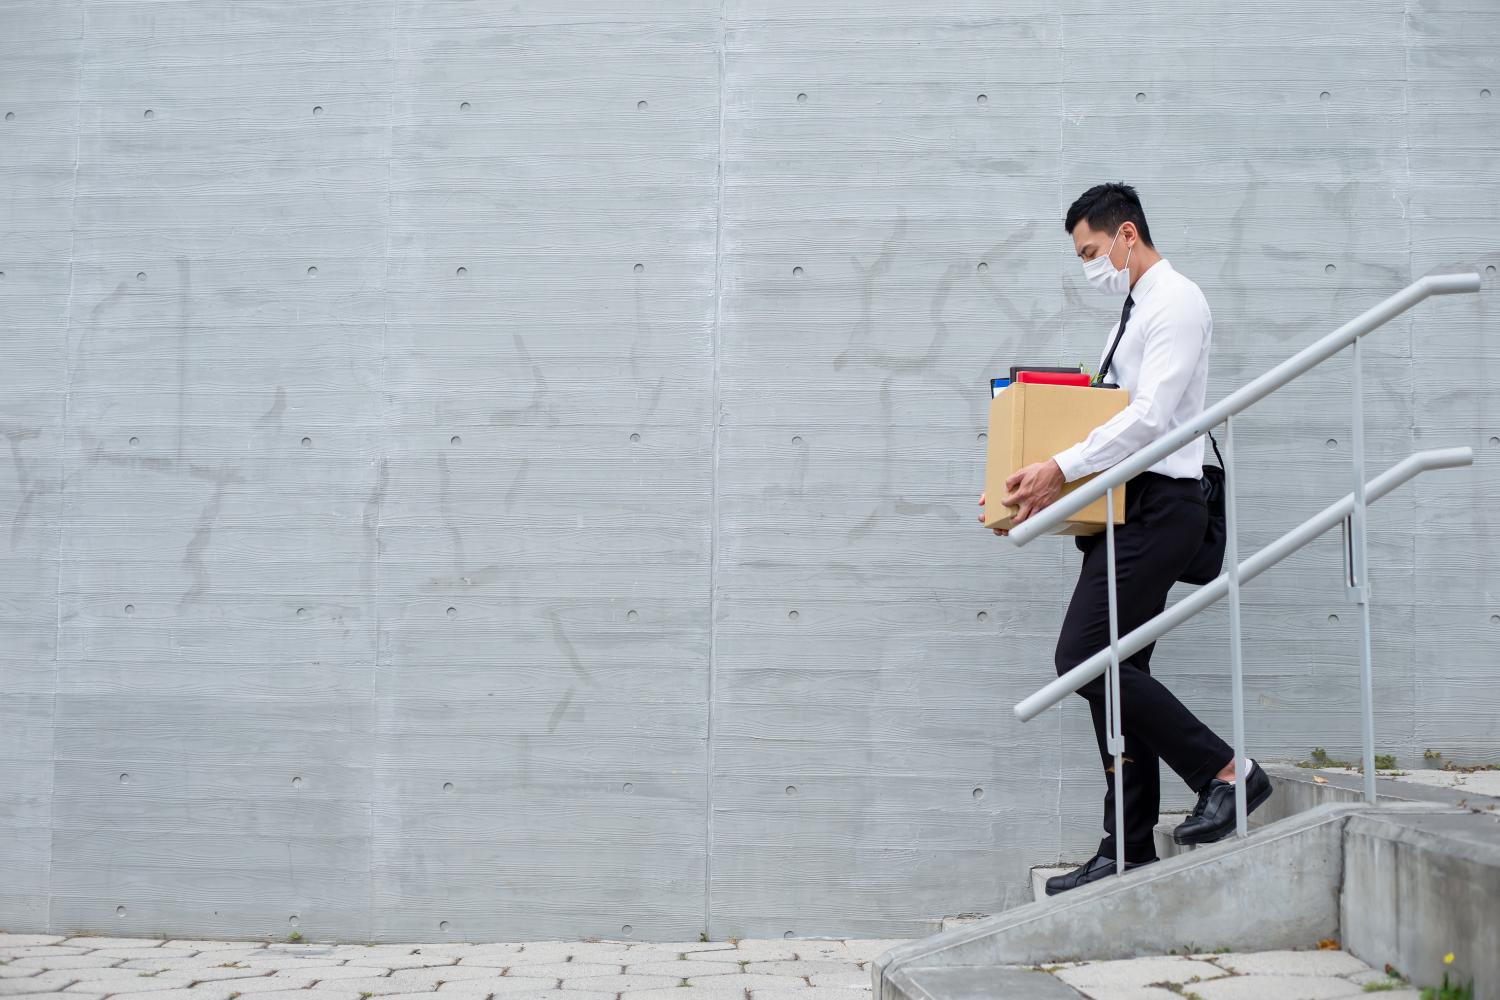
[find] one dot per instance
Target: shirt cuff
(1071, 463)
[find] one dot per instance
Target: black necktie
(1124, 318)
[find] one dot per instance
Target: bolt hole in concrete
(10, 116)
(635, 439)
(140, 276)
(301, 612)
(796, 439)
(150, 114)
(124, 779)
(787, 935)
(1484, 95)
(296, 782)
(130, 609)
(801, 98)
(1331, 443)
(119, 911)
(1329, 268)
(135, 442)
(1495, 619)
(639, 268)
(1140, 98)
(452, 612)
(462, 271)
(983, 437)
(447, 786)
(641, 105)
(983, 616)
(307, 442)
(1495, 440)
(628, 788)
(631, 616)
(797, 272)
(312, 272)
(979, 793)
(627, 929)
(982, 267)
(1490, 269)
(443, 926)
(1333, 619)
(793, 615)
(1325, 96)
(983, 99)
(464, 106)
(293, 920)
(791, 789)
(455, 440)
(318, 110)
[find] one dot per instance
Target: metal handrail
(1350, 509)
(1310, 357)
(1400, 473)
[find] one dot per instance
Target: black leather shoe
(1213, 818)
(1096, 868)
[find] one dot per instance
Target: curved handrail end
(1451, 284)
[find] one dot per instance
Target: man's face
(1089, 243)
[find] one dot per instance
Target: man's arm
(1174, 342)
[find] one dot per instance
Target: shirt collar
(1150, 280)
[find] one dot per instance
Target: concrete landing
(1300, 788)
(1312, 974)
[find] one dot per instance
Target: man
(1161, 358)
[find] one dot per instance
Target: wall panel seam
(713, 544)
(62, 450)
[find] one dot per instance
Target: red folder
(1053, 378)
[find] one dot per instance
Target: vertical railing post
(1359, 558)
(1236, 652)
(1114, 734)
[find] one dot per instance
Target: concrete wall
(481, 470)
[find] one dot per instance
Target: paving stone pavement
(1267, 975)
(42, 967)
(38, 967)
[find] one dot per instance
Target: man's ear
(1128, 233)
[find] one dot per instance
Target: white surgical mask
(1102, 274)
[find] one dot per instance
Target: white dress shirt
(1163, 362)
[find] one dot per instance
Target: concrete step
(977, 983)
(1166, 847)
(1041, 874)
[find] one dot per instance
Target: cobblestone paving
(38, 967)
(1268, 975)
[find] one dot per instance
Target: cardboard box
(1031, 423)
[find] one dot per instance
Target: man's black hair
(1105, 206)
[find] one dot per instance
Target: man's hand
(998, 531)
(1033, 488)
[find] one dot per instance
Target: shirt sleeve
(1174, 342)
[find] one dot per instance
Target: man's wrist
(1069, 463)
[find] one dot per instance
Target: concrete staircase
(1403, 883)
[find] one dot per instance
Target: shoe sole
(1205, 838)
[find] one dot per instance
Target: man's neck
(1145, 261)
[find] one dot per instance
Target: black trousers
(1164, 522)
